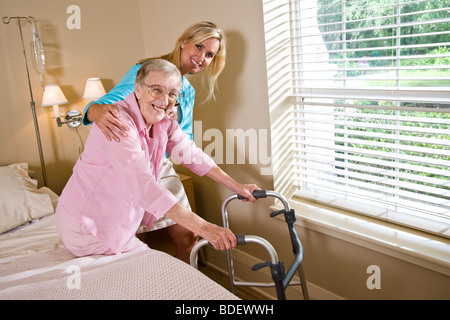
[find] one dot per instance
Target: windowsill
(426, 250)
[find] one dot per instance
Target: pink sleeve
(184, 151)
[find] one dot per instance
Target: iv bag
(37, 51)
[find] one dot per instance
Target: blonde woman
(201, 48)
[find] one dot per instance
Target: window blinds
(366, 120)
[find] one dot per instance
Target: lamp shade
(94, 89)
(53, 95)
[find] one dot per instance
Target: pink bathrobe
(115, 185)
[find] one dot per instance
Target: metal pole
(32, 103)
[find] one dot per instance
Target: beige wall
(104, 47)
(114, 35)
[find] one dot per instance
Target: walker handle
(257, 194)
(240, 239)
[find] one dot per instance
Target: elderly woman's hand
(173, 114)
(106, 117)
(220, 238)
(246, 190)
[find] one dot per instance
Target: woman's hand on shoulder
(106, 118)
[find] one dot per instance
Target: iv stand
(6, 20)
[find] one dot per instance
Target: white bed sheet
(35, 237)
(40, 236)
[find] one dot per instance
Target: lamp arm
(73, 119)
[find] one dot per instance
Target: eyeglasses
(157, 91)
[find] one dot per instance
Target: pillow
(20, 200)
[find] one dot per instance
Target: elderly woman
(115, 186)
(200, 48)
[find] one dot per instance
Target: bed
(34, 264)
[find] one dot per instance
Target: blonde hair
(197, 33)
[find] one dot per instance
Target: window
(360, 106)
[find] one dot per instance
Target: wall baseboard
(243, 263)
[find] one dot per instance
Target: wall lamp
(93, 89)
(53, 96)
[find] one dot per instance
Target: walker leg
(230, 270)
(303, 283)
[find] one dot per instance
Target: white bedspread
(145, 274)
(37, 237)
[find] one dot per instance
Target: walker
(281, 279)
